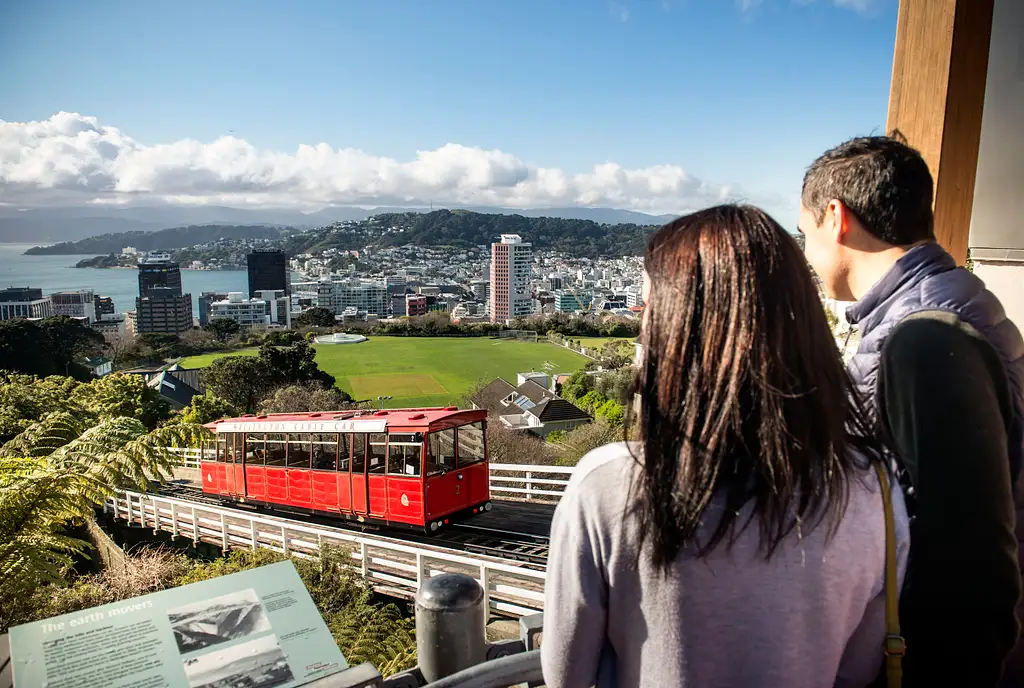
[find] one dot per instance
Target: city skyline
(653, 106)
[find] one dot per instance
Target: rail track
(529, 548)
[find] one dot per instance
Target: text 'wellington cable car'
(409, 467)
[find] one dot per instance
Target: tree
(611, 412)
(578, 384)
(306, 398)
(223, 328)
(26, 399)
(206, 408)
(616, 384)
(123, 395)
(242, 381)
(52, 475)
(54, 346)
(576, 444)
(293, 364)
(317, 316)
(508, 446)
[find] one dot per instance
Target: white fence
(391, 565)
(508, 480)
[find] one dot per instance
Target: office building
(510, 278)
(157, 271)
(415, 304)
(104, 306)
(568, 302)
(24, 302)
(338, 295)
(206, 299)
(268, 307)
(160, 306)
(164, 310)
(75, 304)
(268, 271)
(398, 305)
(112, 327)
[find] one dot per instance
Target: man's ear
(837, 220)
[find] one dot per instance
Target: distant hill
(466, 228)
(71, 224)
(163, 239)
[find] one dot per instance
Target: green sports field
(426, 371)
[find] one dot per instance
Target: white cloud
(619, 11)
(74, 159)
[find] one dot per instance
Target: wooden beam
(936, 101)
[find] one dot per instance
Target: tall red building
(510, 278)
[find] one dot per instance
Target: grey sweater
(811, 616)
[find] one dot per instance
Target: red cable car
(409, 467)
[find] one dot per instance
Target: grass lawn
(426, 371)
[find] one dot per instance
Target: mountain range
(46, 225)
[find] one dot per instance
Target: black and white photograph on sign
(259, 663)
(217, 620)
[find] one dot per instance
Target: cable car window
(222, 447)
(440, 451)
(404, 455)
(358, 453)
(471, 444)
(255, 448)
(239, 447)
(298, 450)
(276, 449)
(377, 453)
(325, 452)
(344, 442)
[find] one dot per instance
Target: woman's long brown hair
(743, 393)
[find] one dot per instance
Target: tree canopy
(53, 346)
(317, 316)
(223, 328)
(244, 381)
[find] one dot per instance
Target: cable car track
(530, 549)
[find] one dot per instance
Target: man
(943, 370)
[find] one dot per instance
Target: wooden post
(936, 99)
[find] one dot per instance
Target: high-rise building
(268, 271)
(510, 278)
(75, 304)
(24, 302)
(164, 310)
(160, 306)
(157, 271)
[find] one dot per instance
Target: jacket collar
(913, 267)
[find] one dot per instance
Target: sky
(655, 105)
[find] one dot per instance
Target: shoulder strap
(895, 646)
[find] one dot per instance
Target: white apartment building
(363, 295)
(75, 304)
(267, 308)
(510, 278)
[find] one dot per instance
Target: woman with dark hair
(740, 540)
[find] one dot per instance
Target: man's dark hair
(882, 180)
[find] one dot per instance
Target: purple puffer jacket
(927, 278)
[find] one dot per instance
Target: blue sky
(741, 94)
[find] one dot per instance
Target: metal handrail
(505, 671)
